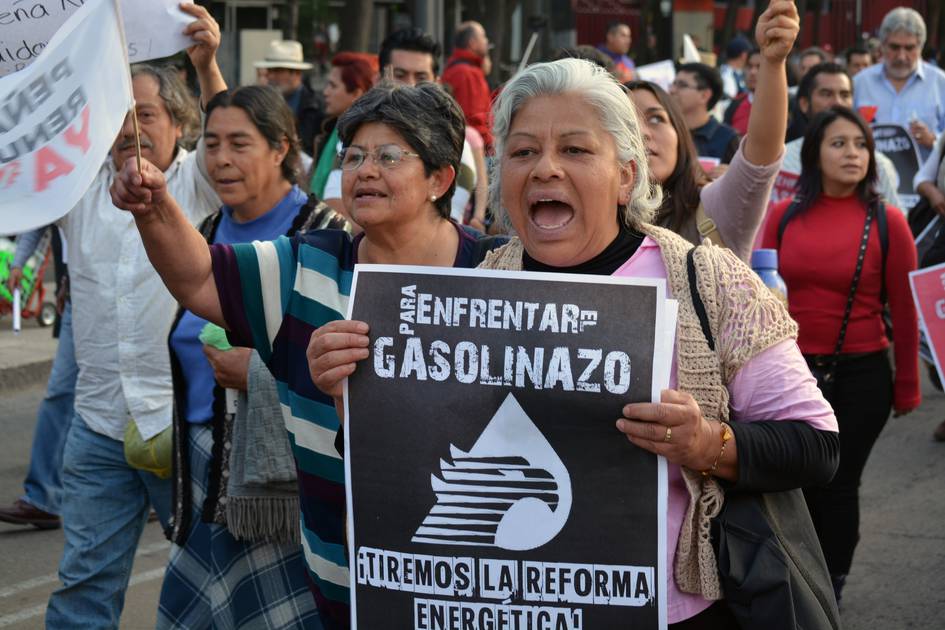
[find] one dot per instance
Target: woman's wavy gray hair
(615, 113)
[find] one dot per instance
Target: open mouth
(550, 214)
(367, 194)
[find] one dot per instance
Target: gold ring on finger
(669, 435)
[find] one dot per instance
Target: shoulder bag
(771, 568)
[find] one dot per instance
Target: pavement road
(896, 581)
(29, 557)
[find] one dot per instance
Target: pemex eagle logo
(511, 490)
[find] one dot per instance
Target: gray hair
(615, 113)
(177, 98)
(427, 118)
(903, 19)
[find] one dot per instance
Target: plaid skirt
(216, 581)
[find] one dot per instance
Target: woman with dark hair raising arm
(729, 210)
(842, 253)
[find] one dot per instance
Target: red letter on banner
(79, 137)
(9, 174)
(49, 166)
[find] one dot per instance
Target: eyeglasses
(385, 156)
(682, 85)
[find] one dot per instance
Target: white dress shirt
(929, 171)
(121, 310)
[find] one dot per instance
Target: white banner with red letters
(154, 28)
(59, 117)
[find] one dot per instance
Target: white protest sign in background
(153, 28)
(59, 117)
(662, 73)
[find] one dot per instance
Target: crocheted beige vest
(745, 319)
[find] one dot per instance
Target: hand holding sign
(333, 352)
(205, 31)
(138, 192)
(777, 30)
(673, 428)
(922, 134)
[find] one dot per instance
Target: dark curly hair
(411, 39)
(427, 118)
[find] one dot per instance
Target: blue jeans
(43, 483)
(105, 505)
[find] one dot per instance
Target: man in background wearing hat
(284, 65)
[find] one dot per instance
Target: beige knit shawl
(745, 319)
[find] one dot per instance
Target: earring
(432, 198)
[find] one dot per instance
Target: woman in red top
(818, 249)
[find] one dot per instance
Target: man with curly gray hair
(903, 89)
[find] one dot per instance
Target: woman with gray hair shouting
(743, 411)
(574, 184)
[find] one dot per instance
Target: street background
(896, 581)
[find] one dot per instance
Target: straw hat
(284, 53)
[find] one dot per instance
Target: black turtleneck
(603, 264)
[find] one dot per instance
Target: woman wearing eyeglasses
(236, 511)
(402, 149)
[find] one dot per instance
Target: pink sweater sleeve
(737, 201)
(777, 385)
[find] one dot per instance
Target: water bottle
(764, 262)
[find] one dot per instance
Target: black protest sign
(897, 144)
(488, 486)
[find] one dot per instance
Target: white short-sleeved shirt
(121, 310)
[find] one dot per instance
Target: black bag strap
(861, 255)
(697, 302)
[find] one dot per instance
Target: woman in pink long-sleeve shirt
(736, 202)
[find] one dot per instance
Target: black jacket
(309, 119)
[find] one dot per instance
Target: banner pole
(16, 311)
(134, 109)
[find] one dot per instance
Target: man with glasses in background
(696, 89)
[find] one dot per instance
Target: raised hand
(138, 192)
(777, 30)
(205, 31)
